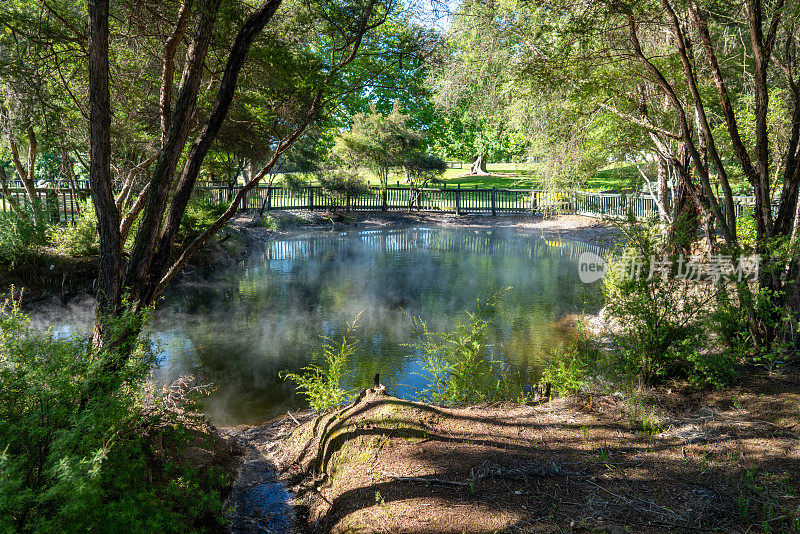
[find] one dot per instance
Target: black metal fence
(63, 203)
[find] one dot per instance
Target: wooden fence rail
(63, 203)
(59, 203)
(454, 200)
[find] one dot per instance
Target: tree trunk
(146, 276)
(685, 209)
(27, 177)
(478, 165)
(109, 282)
(141, 275)
(662, 188)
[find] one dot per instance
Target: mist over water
(270, 314)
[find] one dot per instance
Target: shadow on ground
(571, 465)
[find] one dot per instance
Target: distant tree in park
(422, 168)
(344, 184)
(378, 142)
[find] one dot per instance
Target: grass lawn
(620, 175)
(616, 176)
(521, 175)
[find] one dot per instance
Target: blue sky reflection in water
(270, 314)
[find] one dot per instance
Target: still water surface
(271, 313)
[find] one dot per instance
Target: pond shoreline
(578, 464)
(575, 227)
(52, 277)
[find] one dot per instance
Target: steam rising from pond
(269, 314)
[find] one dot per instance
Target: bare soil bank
(670, 461)
(575, 227)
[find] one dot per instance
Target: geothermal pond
(272, 312)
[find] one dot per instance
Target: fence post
(458, 200)
(311, 198)
(269, 198)
(494, 210)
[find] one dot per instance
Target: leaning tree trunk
(478, 165)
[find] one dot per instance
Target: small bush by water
(73, 463)
(663, 319)
(19, 236)
(461, 367)
(321, 382)
(78, 238)
(568, 367)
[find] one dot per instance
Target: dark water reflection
(270, 314)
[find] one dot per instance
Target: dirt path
(669, 462)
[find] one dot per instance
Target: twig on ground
(293, 418)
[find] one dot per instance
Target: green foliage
(569, 366)
(78, 238)
(199, 215)
(423, 168)
(461, 366)
(72, 462)
(343, 183)
(378, 142)
(322, 383)
(730, 322)
(19, 236)
(746, 230)
(644, 419)
(295, 182)
(662, 318)
(268, 222)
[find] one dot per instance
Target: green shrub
(730, 323)
(78, 238)
(662, 317)
(460, 366)
(322, 384)
(746, 229)
(644, 419)
(199, 215)
(18, 237)
(72, 462)
(268, 222)
(343, 183)
(568, 367)
(295, 182)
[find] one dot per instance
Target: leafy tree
(710, 90)
(313, 77)
(379, 142)
(422, 168)
(469, 89)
